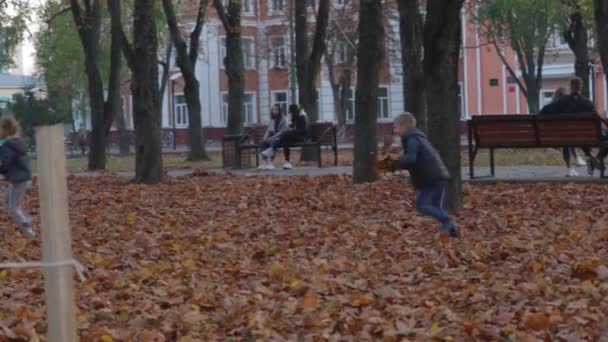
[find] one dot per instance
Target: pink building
(485, 85)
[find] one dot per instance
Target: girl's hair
(559, 93)
(9, 125)
(278, 108)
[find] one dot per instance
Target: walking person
(276, 127)
(15, 166)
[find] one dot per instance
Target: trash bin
(232, 156)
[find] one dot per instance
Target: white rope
(39, 264)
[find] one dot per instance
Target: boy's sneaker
(268, 153)
(572, 172)
(450, 229)
(287, 166)
(27, 231)
(270, 166)
(580, 161)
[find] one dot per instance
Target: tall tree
(442, 43)
(233, 62)
(186, 61)
(525, 26)
(13, 23)
(576, 34)
(308, 61)
(411, 37)
(340, 57)
(369, 61)
(142, 59)
(601, 25)
(88, 18)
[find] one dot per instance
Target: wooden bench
(321, 134)
(532, 131)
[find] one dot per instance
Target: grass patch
(526, 157)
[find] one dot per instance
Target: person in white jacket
(276, 127)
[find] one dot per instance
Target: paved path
(523, 174)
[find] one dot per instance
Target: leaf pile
(209, 258)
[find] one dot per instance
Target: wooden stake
(56, 239)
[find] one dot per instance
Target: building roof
(17, 81)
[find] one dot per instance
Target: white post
(56, 239)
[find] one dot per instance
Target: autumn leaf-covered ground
(209, 258)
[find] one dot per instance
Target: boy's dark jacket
(422, 160)
(14, 162)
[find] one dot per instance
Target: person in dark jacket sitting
(575, 103)
(427, 171)
(296, 132)
(15, 166)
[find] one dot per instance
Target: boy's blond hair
(9, 125)
(406, 119)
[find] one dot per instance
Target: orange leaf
(538, 322)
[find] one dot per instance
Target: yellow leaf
(435, 326)
(538, 322)
(131, 218)
(190, 263)
(106, 338)
(3, 274)
(100, 261)
(34, 336)
(510, 329)
(536, 265)
(185, 339)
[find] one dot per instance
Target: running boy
(427, 171)
(15, 166)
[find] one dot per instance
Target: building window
(383, 105)
(280, 98)
(247, 45)
(546, 97)
(557, 41)
(340, 3)
(350, 105)
(341, 52)
(248, 53)
(180, 111)
(248, 108)
(277, 6)
(246, 6)
(278, 52)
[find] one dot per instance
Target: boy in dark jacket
(427, 172)
(15, 166)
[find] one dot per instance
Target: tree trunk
(164, 79)
(124, 143)
(369, 60)
(533, 94)
(233, 62)
(186, 61)
(88, 24)
(442, 42)
(410, 28)
(578, 40)
(309, 62)
(236, 81)
(601, 25)
(146, 100)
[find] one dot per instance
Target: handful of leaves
(389, 159)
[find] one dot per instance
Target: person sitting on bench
(276, 127)
(576, 103)
(295, 133)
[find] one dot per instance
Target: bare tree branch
(221, 12)
(58, 14)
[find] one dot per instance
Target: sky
(26, 60)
